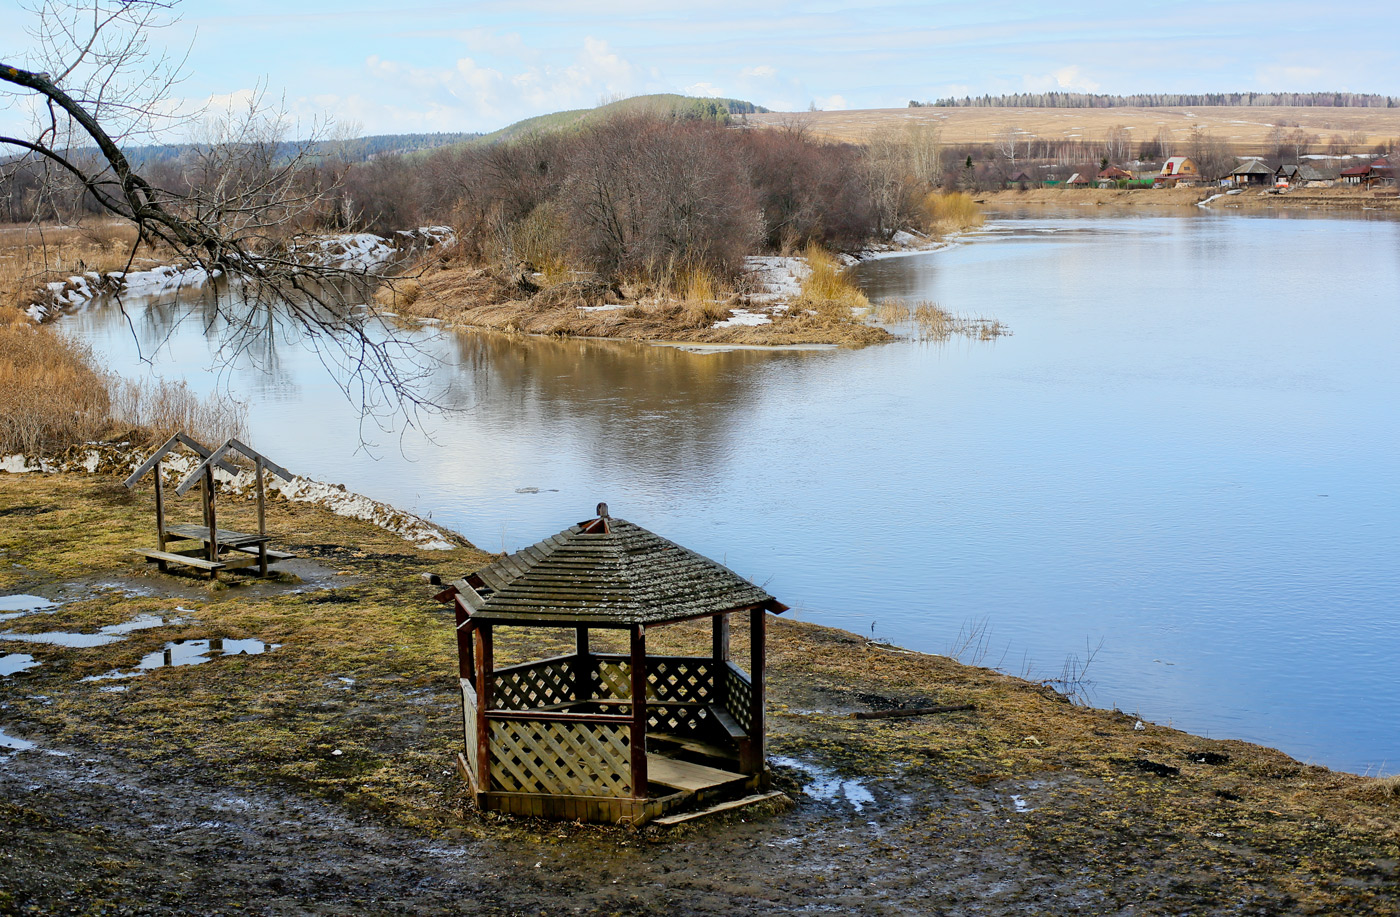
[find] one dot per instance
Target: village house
(1020, 180)
(1298, 176)
(1252, 173)
(1178, 170)
(1112, 175)
(1077, 180)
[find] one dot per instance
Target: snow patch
(775, 276)
(741, 317)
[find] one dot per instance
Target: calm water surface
(1187, 451)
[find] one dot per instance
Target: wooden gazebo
(565, 737)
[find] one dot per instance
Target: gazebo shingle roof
(606, 572)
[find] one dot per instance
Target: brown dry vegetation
(951, 211)
(355, 717)
(32, 255)
(1246, 129)
(684, 308)
(53, 395)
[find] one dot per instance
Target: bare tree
(1010, 143)
(96, 82)
(1118, 141)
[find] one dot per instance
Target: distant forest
(1168, 100)
(359, 149)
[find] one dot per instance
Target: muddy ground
(316, 777)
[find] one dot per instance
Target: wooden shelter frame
(566, 737)
(221, 549)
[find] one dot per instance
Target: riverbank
(1331, 199)
(775, 304)
(316, 775)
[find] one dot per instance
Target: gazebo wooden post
(262, 516)
(639, 712)
(485, 662)
(212, 518)
(758, 650)
(583, 666)
(160, 517)
(719, 652)
(465, 650)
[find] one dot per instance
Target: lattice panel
(469, 725)
(531, 687)
(680, 680)
(612, 680)
(676, 720)
(738, 698)
(573, 759)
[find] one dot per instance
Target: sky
(429, 67)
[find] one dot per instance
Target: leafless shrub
(158, 409)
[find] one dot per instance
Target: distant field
(1245, 129)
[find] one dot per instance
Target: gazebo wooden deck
(564, 737)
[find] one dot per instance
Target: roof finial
(602, 510)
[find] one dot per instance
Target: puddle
(826, 785)
(11, 663)
(105, 635)
(12, 744)
(17, 606)
(190, 652)
(1019, 802)
(23, 603)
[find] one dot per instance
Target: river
(1186, 456)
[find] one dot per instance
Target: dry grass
(157, 409)
(50, 393)
(935, 323)
(891, 312)
(34, 255)
(827, 286)
(1244, 129)
(951, 212)
(53, 395)
(1378, 789)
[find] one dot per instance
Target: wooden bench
(165, 557)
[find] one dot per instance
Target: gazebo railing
(738, 695)
(561, 754)
(680, 689)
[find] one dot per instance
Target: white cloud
(832, 103)
(1069, 79)
(761, 72)
(704, 90)
(472, 96)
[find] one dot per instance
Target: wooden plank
(549, 716)
(758, 652)
(694, 746)
(683, 775)
(727, 722)
(485, 660)
(170, 444)
(185, 559)
(251, 549)
(640, 776)
(254, 454)
(227, 537)
(729, 806)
